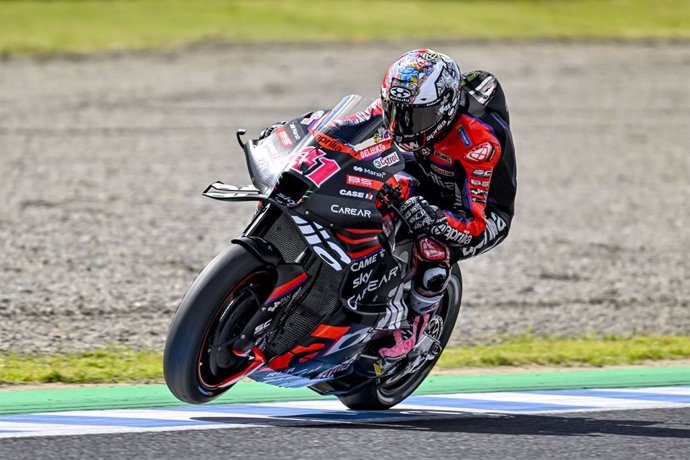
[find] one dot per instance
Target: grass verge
(120, 366)
(79, 26)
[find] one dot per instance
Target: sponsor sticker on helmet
(399, 94)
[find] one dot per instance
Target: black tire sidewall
(193, 318)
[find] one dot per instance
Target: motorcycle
(308, 292)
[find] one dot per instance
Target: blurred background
(115, 115)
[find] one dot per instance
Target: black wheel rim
(216, 362)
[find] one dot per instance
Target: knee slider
(434, 280)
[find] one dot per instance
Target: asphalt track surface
(658, 433)
(648, 423)
(103, 160)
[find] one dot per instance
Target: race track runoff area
(134, 409)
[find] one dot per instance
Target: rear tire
(378, 395)
(205, 314)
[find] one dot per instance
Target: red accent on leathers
(483, 154)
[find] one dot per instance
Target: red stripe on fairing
(364, 231)
(287, 287)
(355, 241)
(357, 255)
(258, 361)
(330, 332)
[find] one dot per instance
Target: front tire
(221, 300)
(379, 394)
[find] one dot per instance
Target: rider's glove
(268, 131)
(421, 216)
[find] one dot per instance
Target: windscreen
(268, 158)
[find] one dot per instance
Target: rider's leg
(431, 262)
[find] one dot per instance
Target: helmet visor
(406, 120)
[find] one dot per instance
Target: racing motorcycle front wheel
(198, 364)
(386, 392)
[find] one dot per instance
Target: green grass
(547, 351)
(118, 365)
(98, 366)
(79, 26)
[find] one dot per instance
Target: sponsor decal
(485, 152)
(362, 278)
(337, 209)
(438, 129)
(370, 286)
(399, 93)
(476, 191)
(478, 200)
(374, 150)
(328, 142)
(320, 239)
(295, 131)
(330, 373)
(443, 157)
(451, 234)
(262, 327)
(314, 116)
(464, 136)
(479, 182)
(388, 160)
(364, 263)
(356, 194)
(364, 182)
(382, 134)
(313, 164)
(379, 174)
(283, 137)
(492, 235)
(481, 173)
(409, 146)
(441, 171)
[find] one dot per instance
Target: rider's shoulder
(485, 94)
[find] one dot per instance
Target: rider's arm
(473, 170)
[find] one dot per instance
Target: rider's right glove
(422, 217)
(268, 131)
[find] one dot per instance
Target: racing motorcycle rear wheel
(386, 392)
(198, 362)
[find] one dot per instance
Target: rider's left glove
(421, 216)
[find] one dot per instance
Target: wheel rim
(216, 361)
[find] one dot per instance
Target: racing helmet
(420, 97)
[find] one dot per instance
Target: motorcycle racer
(455, 131)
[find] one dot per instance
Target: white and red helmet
(420, 97)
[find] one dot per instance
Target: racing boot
(431, 262)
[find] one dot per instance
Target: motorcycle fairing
(329, 190)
